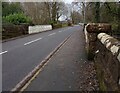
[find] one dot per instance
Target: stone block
(92, 37)
(98, 27)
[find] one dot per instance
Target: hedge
(17, 18)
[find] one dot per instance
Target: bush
(57, 26)
(11, 30)
(115, 28)
(64, 25)
(17, 18)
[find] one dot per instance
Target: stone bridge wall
(105, 51)
(39, 28)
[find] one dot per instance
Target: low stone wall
(90, 43)
(105, 51)
(107, 60)
(39, 28)
(91, 31)
(11, 30)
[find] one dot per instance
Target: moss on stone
(90, 55)
(100, 76)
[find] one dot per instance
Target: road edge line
(31, 74)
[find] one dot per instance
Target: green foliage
(97, 10)
(59, 25)
(104, 12)
(11, 8)
(17, 18)
(115, 28)
(64, 25)
(100, 76)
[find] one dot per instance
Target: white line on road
(51, 34)
(3, 52)
(60, 31)
(32, 41)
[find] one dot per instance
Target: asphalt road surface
(63, 71)
(20, 56)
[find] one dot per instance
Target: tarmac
(62, 72)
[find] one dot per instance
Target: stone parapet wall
(107, 60)
(11, 30)
(111, 44)
(105, 51)
(91, 31)
(90, 43)
(98, 27)
(39, 28)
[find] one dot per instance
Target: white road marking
(3, 52)
(51, 34)
(60, 31)
(68, 28)
(32, 41)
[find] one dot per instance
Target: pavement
(62, 72)
(22, 55)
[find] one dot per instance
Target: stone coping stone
(98, 27)
(110, 43)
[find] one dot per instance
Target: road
(63, 71)
(20, 56)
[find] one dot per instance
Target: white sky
(68, 1)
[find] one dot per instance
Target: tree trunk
(119, 17)
(97, 12)
(54, 12)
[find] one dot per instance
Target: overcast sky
(68, 1)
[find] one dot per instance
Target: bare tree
(56, 10)
(44, 12)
